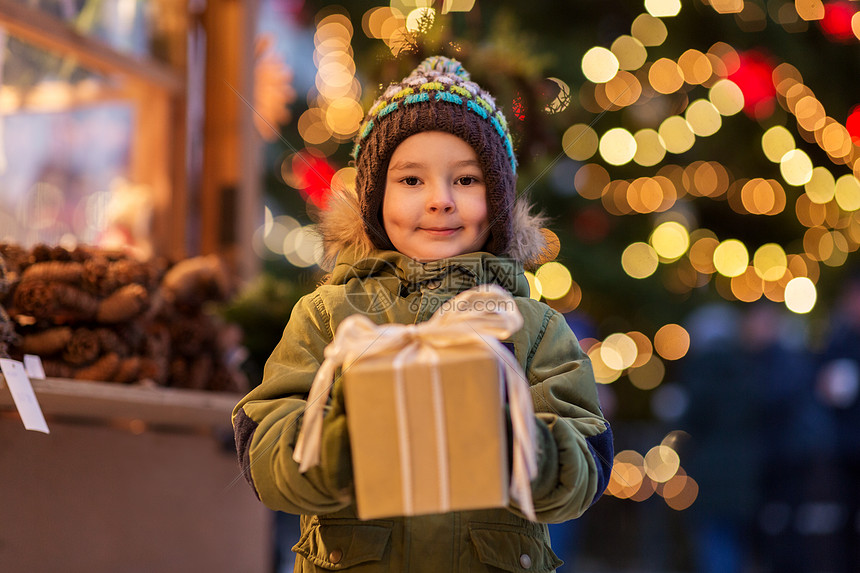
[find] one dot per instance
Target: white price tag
(23, 395)
(33, 366)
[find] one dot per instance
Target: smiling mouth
(440, 231)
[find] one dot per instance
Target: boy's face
(435, 203)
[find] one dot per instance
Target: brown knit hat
(437, 96)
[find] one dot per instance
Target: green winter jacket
(575, 441)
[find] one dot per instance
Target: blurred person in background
(723, 420)
(780, 370)
(837, 388)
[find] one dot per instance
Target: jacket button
(336, 555)
(525, 561)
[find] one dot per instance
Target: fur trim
(341, 226)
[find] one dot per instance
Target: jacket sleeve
(575, 449)
(266, 422)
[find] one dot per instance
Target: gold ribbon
(482, 315)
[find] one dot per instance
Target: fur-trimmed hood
(341, 226)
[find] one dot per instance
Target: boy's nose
(440, 199)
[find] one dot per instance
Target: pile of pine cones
(92, 314)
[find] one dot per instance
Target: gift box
(425, 409)
(428, 432)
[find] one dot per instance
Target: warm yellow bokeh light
(727, 6)
(579, 142)
(672, 342)
(631, 53)
(649, 30)
(663, 8)
(554, 279)
(661, 463)
(796, 167)
(665, 76)
(727, 97)
(695, 66)
(619, 351)
(703, 118)
(731, 258)
(649, 375)
(855, 25)
(702, 254)
(649, 148)
(617, 146)
(599, 65)
(847, 193)
(821, 187)
(343, 116)
(603, 374)
(344, 179)
(534, 286)
(420, 17)
(809, 10)
(639, 260)
(644, 348)
(776, 142)
(670, 240)
(676, 134)
(800, 295)
(770, 262)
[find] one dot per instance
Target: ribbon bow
(482, 315)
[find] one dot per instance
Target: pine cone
(128, 370)
(102, 369)
(97, 277)
(110, 341)
(83, 348)
(125, 303)
(46, 342)
(73, 303)
(51, 271)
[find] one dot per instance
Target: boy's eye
(410, 181)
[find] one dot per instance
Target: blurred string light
(637, 477)
(335, 112)
(283, 236)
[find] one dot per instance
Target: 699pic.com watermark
(489, 306)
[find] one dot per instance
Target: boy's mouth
(440, 231)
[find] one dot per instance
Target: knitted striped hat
(437, 96)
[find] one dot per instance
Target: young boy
(435, 214)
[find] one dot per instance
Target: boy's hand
(335, 457)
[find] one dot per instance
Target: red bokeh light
(755, 78)
(853, 124)
(836, 23)
(313, 174)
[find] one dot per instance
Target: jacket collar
(402, 275)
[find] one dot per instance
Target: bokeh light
(727, 97)
(800, 295)
(703, 118)
(639, 260)
(770, 262)
(648, 375)
(672, 342)
(554, 279)
(661, 463)
(731, 258)
(599, 65)
(618, 351)
(847, 192)
(630, 52)
(649, 30)
(670, 240)
(650, 149)
(534, 285)
(579, 142)
(617, 146)
(665, 76)
(796, 167)
(663, 8)
(676, 134)
(776, 142)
